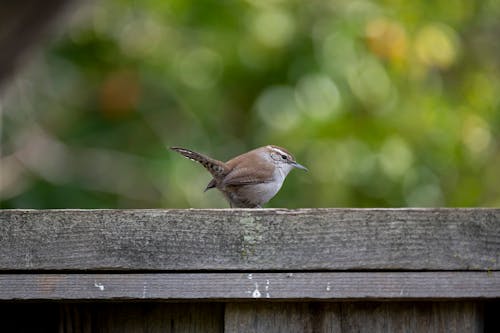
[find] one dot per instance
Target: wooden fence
(269, 270)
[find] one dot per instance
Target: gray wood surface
(415, 317)
(433, 317)
(271, 317)
(267, 239)
(263, 286)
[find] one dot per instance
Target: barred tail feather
(215, 167)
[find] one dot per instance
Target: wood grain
(283, 317)
(263, 239)
(263, 286)
(415, 317)
(268, 317)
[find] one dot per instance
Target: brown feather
(245, 170)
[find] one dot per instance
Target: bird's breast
(263, 192)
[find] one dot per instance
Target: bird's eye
(284, 157)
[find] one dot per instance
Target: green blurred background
(388, 103)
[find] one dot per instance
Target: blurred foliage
(388, 103)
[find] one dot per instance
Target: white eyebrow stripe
(279, 151)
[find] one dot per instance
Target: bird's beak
(299, 166)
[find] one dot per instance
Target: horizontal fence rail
(340, 286)
(251, 240)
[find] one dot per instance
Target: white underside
(262, 193)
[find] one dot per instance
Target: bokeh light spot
(476, 135)
(318, 96)
(337, 52)
(276, 107)
(369, 81)
(437, 45)
(273, 27)
(354, 162)
(120, 93)
(141, 35)
(395, 157)
(387, 39)
(200, 68)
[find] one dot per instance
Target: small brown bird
(248, 180)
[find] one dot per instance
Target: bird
(248, 180)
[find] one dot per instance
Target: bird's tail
(215, 167)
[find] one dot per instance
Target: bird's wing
(244, 172)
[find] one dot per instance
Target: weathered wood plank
(238, 286)
(415, 317)
(267, 239)
(270, 317)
